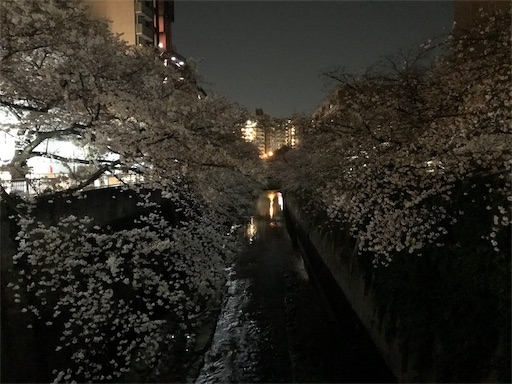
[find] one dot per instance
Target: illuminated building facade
(147, 22)
(140, 22)
(270, 135)
(254, 131)
(291, 134)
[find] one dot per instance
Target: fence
(36, 185)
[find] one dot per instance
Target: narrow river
(275, 325)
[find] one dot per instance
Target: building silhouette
(467, 13)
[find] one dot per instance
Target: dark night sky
(269, 54)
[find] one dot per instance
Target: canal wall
(434, 319)
(332, 258)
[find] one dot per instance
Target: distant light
(165, 62)
(160, 45)
(182, 63)
(270, 153)
(173, 58)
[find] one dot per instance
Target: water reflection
(251, 230)
(271, 196)
(268, 215)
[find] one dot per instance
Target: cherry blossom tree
(132, 293)
(412, 160)
(53, 82)
(87, 86)
(398, 140)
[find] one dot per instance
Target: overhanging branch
(96, 175)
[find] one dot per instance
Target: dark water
(276, 326)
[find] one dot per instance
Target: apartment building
(269, 135)
(140, 22)
(147, 22)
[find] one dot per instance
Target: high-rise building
(147, 22)
(291, 134)
(140, 22)
(270, 134)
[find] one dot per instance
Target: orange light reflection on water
(271, 205)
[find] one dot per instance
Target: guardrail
(38, 185)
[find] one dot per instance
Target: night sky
(269, 54)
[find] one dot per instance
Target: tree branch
(72, 160)
(96, 175)
(24, 107)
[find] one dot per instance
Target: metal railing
(144, 31)
(38, 185)
(142, 9)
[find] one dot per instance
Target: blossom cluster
(120, 298)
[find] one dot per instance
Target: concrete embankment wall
(441, 317)
(23, 358)
(333, 258)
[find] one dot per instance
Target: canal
(276, 326)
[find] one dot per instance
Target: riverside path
(275, 325)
